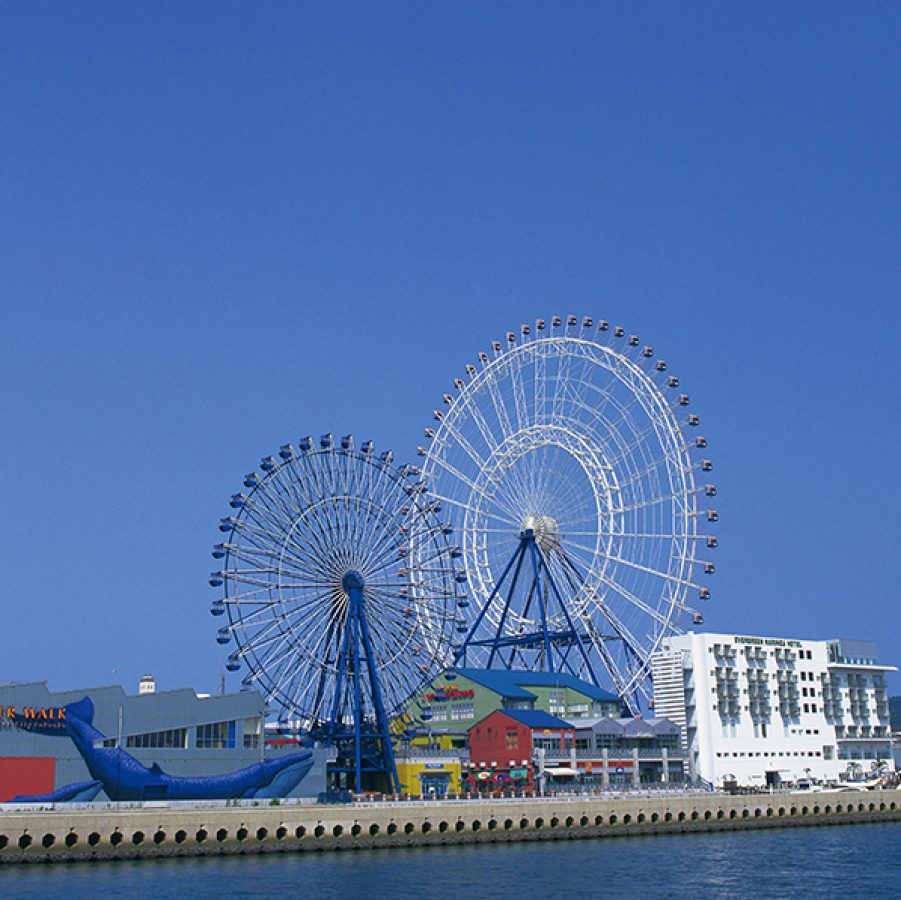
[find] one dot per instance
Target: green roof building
(462, 697)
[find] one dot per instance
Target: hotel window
(216, 736)
(556, 700)
(439, 713)
(512, 739)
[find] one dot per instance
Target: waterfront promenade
(165, 831)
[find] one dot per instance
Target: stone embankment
(166, 831)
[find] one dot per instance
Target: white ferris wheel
(575, 475)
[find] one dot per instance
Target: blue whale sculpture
(125, 778)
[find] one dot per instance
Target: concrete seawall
(130, 833)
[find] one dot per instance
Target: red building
(502, 744)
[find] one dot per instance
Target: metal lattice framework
(573, 437)
(331, 622)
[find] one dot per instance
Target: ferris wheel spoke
(268, 501)
(651, 502)
(277, 654)
(539, 379)
(326, 646)
(463, 479)
(260, 533)
(308, 489)
(638, 438)
(656, 535)
(266, 635)
(561, 380)
(489, 438)
(589, 363)
(254, 597)
(448, 429)
(642, 390)
(464, 505)
(497, 401)
(662, 620)
(313, 607)
(382, 550)
(295, 568)
(520, 404)
(620, 682)
(667, 576)
(371, 518)
(619, 628)
(322, 609)
(507, 493)
(612, 428)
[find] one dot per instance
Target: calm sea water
(845, 861)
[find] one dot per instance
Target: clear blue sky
(227, 225)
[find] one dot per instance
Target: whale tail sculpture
(81, 792)
(125, 778)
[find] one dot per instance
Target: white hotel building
(765, 711)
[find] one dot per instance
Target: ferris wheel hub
(352, 581)
(545, 529)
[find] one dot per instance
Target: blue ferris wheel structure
(332, 619)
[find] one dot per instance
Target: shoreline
(163, 832)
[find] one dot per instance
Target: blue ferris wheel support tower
(555, 635)
(361, 748)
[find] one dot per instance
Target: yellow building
(432, 774)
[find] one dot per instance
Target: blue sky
(227, 225)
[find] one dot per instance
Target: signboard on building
(767, 642)
(443, 693)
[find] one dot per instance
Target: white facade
(760, 711)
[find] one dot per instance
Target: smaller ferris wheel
(331, 620)
(576, 474)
